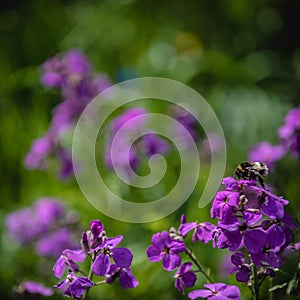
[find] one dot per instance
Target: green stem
(255, 283)
(270, 288)
(90, 277)
(200, 269)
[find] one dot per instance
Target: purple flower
(185, 277)
(52, 244)
(74, 286)
(153, 144)
(37, 157)
(121, 256)
(93, 237)
(33, 287)
(225, 204)
(243, 270)
(126, 278)
(204, 232)
(267, 153)
(73, 74)
(165, 249)
(68, 260)
(231, 184)
(31, 223)
(289, 132)
(217, 291)
(185, 227)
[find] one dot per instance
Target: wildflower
(165, 249)
(216, 291)
(68, 260)
(185, 277)
(127, 280)
(121, 256)
(267, 153)
(74, 286)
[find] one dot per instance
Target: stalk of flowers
(73, 75)
(125, 155)
(106, 261)
(252, 224)
(45, 225)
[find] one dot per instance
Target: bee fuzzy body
(252, 170)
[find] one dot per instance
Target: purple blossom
(33, 287)
(225, 204)
(51, 244)
(289, 133)
(94, 237)
(122, 153)
(185, 227)
(243, 270)
(217, 291)
(126, 278)
(267, 153)
(72, 73)
(74, 286)
(231, 184)
(204, 232)
(165, 249)
(68, 260)
(185, 277)
(44, 226)
(121, 256)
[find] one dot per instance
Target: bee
(252, 170)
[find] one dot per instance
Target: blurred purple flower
(44, 225)
(74, 286)
(217, 291)
(267, 153)
(122, 152)
(127, 280)
(165, 249)
(51, 244)
(73, 74)
(185, 277)
(32, 287)
(289, 133)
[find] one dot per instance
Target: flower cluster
(168, 248)
(46, 225)
(253, 223)
(289, 135)
(73, 74)
(121, 152)
(107, 260)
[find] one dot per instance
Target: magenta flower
(165, 249)
(231, 184)
(74, 286)
(225, 204)
(267, 153)
(121, 256)
(289, 132)
(217, 291)
(68, 260)
(126, 278)
(204, 232)
(185, 277)
(243, 270)
(32, 287)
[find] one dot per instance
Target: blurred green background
(242, 56)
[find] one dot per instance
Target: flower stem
(192, 256)
(90, 277)
(255, 283)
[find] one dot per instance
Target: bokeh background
(242, 56)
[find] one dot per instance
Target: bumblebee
(252, 170)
